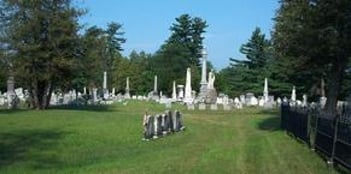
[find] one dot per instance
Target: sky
(146, 23)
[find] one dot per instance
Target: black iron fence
(328, 134)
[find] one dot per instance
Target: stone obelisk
(174, 93)
(127, 94)
(293, 95)
(104, 87)
(203, 82)
(265, 91)
(188, 97)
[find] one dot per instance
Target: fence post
(335, 139)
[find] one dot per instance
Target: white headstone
(174, 92)
(304, 101)
(127, 94)
(188, 97)
(211, 79)
(180, 92)
(265, 90)
(104, 86)
(113, 92)
(293, 95)
(95, 99)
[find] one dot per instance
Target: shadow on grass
(30, 146)
(11, 111)
(273, 112)
(94, 108)
(270, 124)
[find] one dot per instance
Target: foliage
(248, 75)
(43, 37)
(316, 36)
(180, 51)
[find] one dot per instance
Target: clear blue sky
(146, 22)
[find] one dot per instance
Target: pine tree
(43, 36)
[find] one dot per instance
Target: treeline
(310, 48)
(45, 48)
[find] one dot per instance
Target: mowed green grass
(108, 140)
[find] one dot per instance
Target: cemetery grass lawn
(108, 140)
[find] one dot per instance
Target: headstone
(211, 94)
(190, 106)
(219, 100)
(214, 107)
(180, 92)
(243, 99)
(170, 121)
(265, 91)
(95, 99)
(261, 102)
(113, 92)
(251, 100)
(188, 98)
(225, 100)
(293, 94)
(164, 124)
(304, 102)
(157, 126)
(323, 102)
(174, 92)
(147, 126)
(127, 94)
(279, 101)
(227, 107)
(104, 87)
(203, 82)
(202, 106)
(179, 122)
(237, 103)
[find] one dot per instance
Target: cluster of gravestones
(162, 124)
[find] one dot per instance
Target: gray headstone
(227, 107)
(202, 106)
(191, 106)
(149, 127)
(214, 107)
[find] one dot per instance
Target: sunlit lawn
(108, 140)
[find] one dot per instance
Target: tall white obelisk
(188, 98)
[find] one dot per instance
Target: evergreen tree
(180, 51)
(43, 35)
(315, 35)
(248, 75)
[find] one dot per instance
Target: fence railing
(328, 134)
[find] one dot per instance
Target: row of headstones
(162, 124)
(214, 107)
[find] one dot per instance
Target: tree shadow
(272, 112)
(93, 108)
(11, 111)
(29, 146)
(270, 124)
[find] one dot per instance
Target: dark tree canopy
(315, 35)
(43, 37)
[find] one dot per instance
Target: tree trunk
(41, 92)
(49, 92)
(334, 85)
